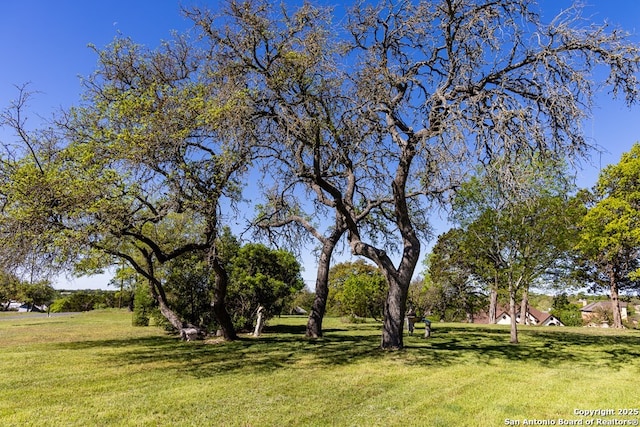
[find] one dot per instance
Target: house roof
(601, 305)
(540, 316)
(483, 316)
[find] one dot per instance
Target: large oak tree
(396, 99)
(139, 171)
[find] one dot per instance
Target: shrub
(569, 316)
(142, 306)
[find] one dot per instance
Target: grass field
(96, 369)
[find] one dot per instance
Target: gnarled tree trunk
(314, 324)
(218, 303)
(187, 332)
(394, 310)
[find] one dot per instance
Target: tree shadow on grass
(538, 346)
(284, 346)
(297, 330)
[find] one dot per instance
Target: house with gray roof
(592, 310)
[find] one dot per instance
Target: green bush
(303, 299)
(77, 301)
(261, 277)
(142, 306)
(568, 313)
(570, 317)
(58, 306)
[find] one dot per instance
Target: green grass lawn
(96, 369)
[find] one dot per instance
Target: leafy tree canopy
(609, 245)
(359, 289)
(261, 277)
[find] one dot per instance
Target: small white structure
(188, 334)
(14, 306)
(22, 307)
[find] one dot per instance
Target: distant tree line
(41, 295)
(34, 294)
(93, 299)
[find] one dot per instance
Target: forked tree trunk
(395, 306)
(394, 310)
(615, 302)
(314, 323)
(399, 280)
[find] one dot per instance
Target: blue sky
(44, 42)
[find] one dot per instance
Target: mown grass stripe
(96, 369)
